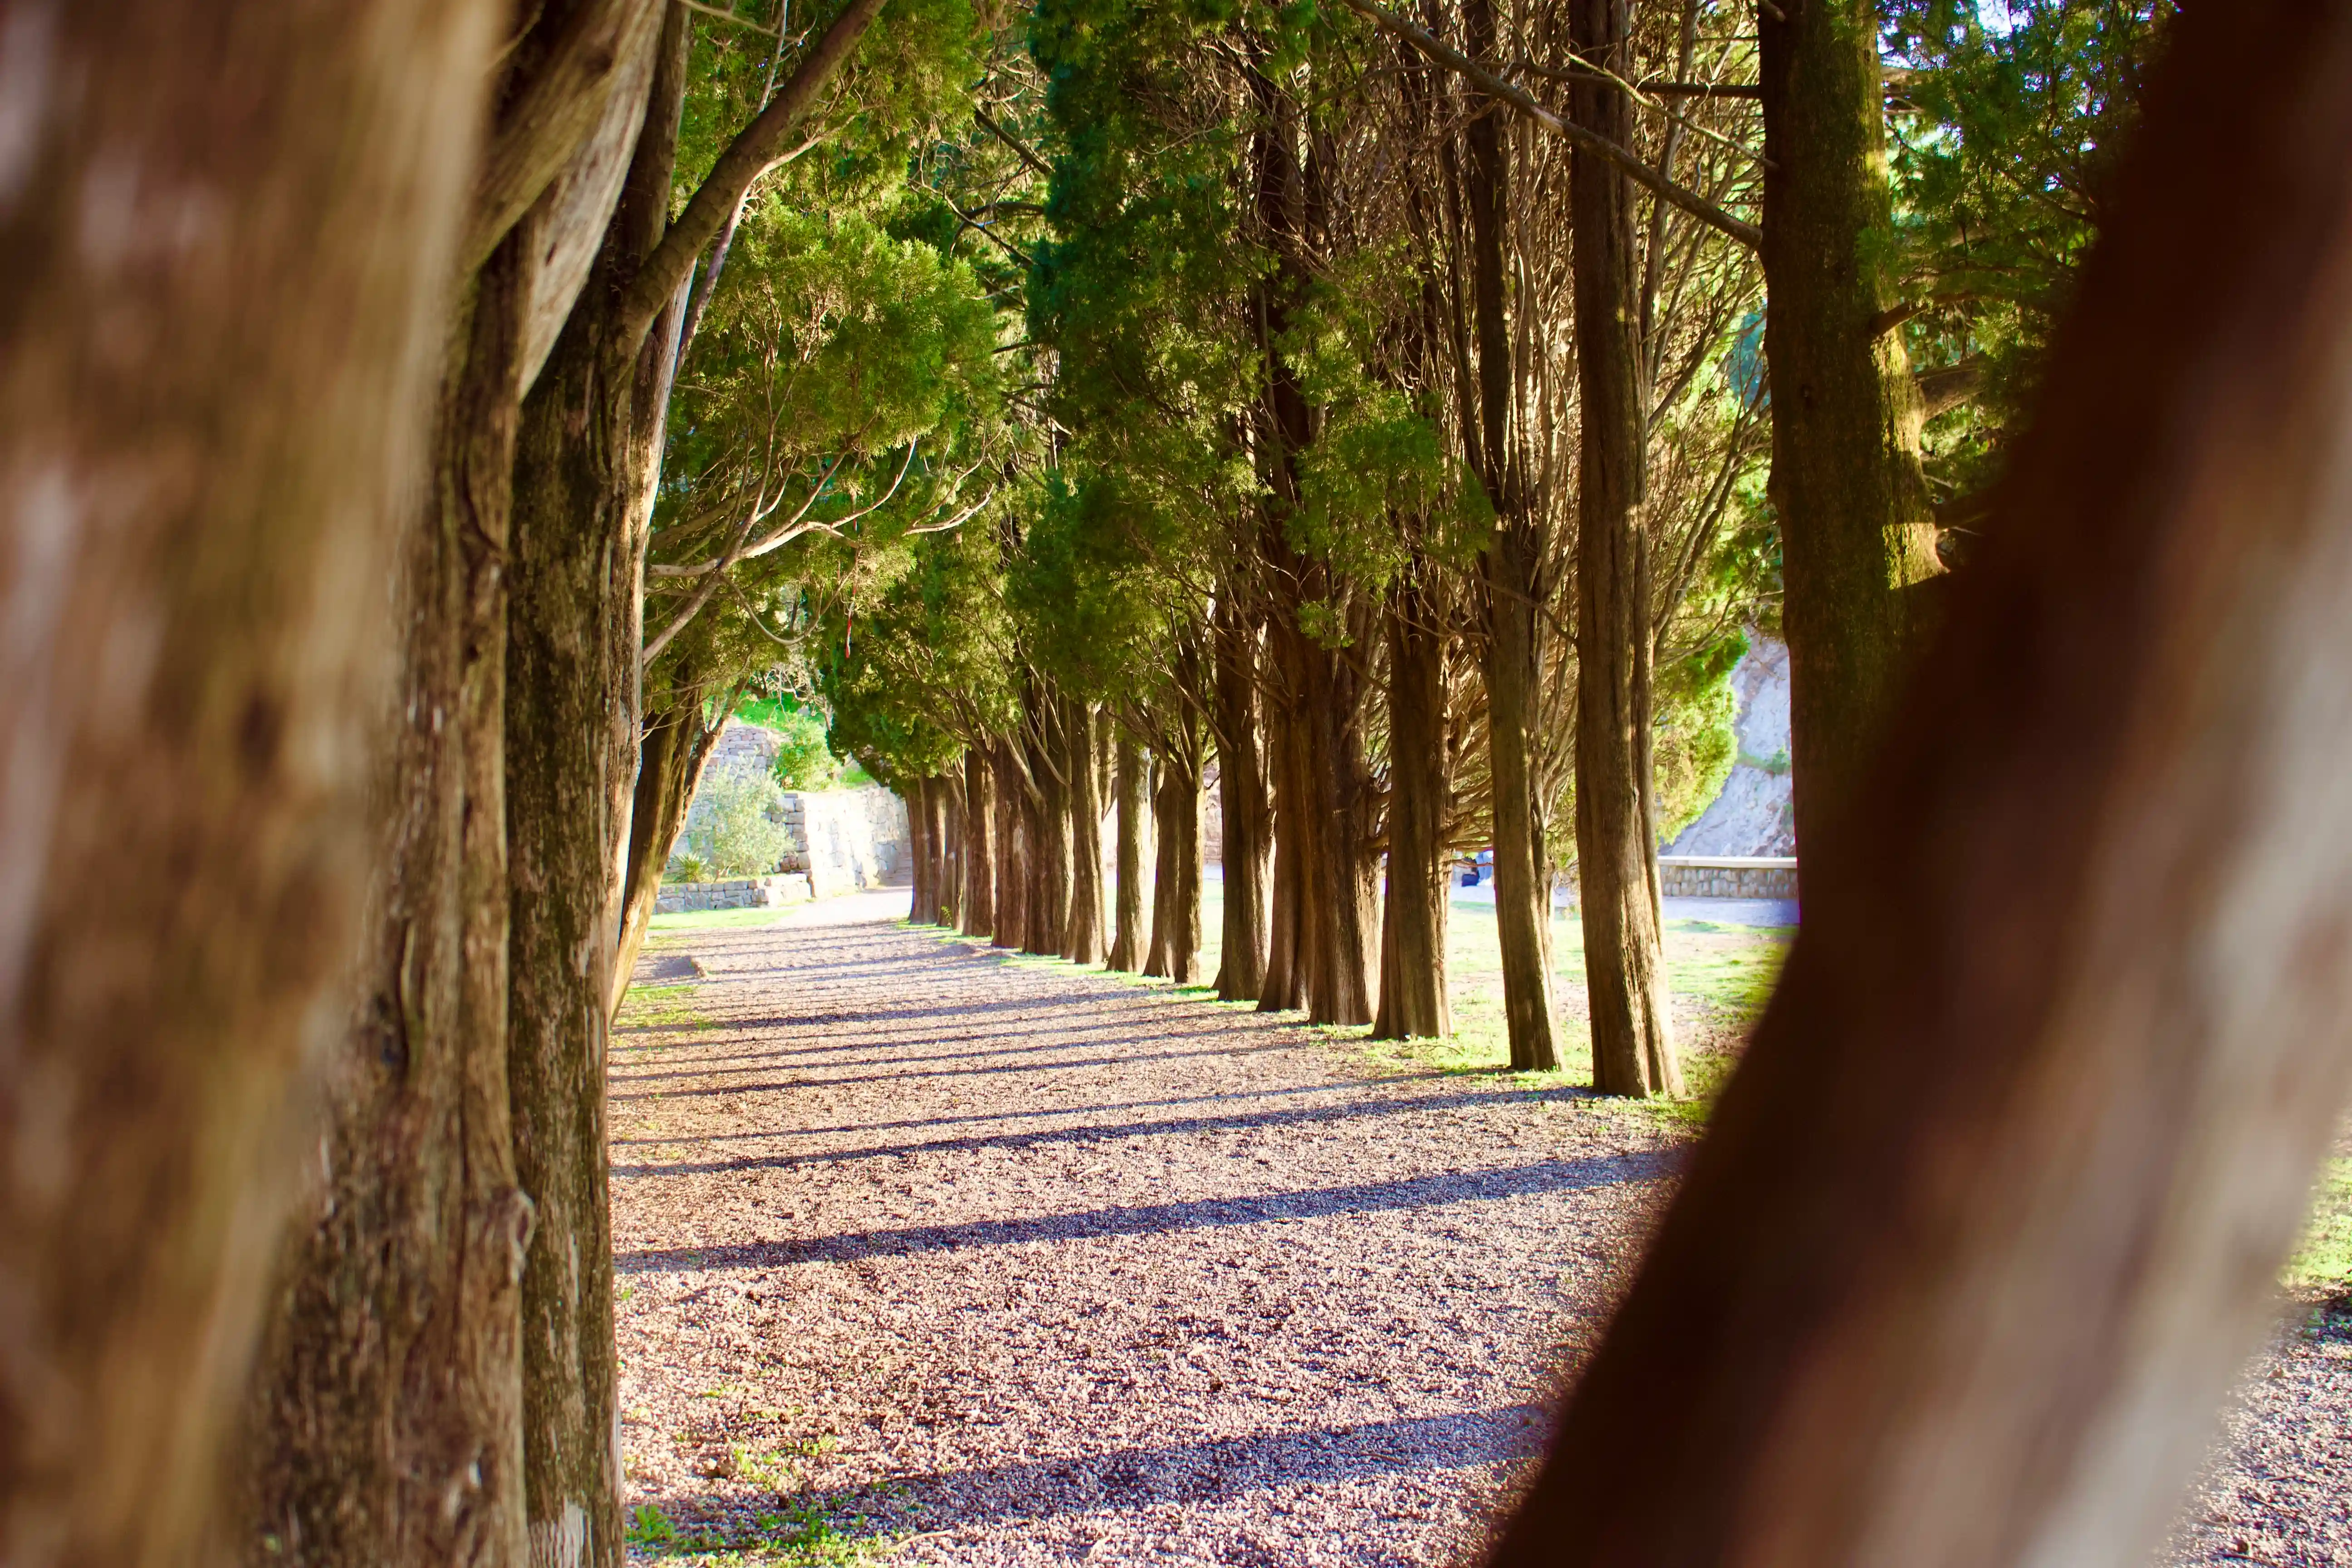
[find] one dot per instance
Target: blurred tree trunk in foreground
(229, 234)
(1994, 1209)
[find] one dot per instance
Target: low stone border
(742, 893)
(1727, 876)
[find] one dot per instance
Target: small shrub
(803, 759)
(735, 827)
(649, 1526)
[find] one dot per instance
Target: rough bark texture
(1127, 949)
(223, 304)
(1857, 530)
(922, 904)
(1248, 810)
(1413, 922)
(1994, 1208)
(559, 79)
(387, 1427)
(1284, 986)
(951, 847)
(976, 914)
(1616, 849)
(1175, 949)
(1522, 883)
(1012, 846)
(1339, 929)
(1048, 825)
(1082, 940)
(580, 478)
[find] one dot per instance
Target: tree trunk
(1856, 531)
(1012, 846)
(1049, 833)
(670, 760)
(227, 259)
(572, 672)
(388, 1422)
(918, 797)
(1992, 1213)
(1243, 796)
(1176, 890)
(1616, 849)
(1127, 949)
(1083, 938)
(1413, 999)
(976, 915)
(1284, 986)
(1522, 886)
(1342, 881)
(951, 847)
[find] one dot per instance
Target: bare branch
(746, 158)
(1495, 86)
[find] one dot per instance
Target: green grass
(2324, 1260)
(660, 1007)
(800, 1534)
(1733, 968)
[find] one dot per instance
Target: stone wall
(742, 893)
(1727, 876)
(842, 840)
(849, 838)
(1754, 814)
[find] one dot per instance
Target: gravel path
(932, 1253)
(1028, 1265)
(2280, 1489)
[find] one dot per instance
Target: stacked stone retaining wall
(1728, 876)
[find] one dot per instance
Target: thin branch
(1002, 134)
(1495, 86)
(775, 31)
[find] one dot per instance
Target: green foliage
(735, 827)
(1697, 741)
(803, 759)
(2018, 110)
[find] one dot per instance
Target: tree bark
(572, 752)
(1127, 948)
(1289, 949)
(976, 915)
(921, 908)
(387, 1427)
(228, 246)
(1048, 831)
(1857, 532)
(1083, 939)
(1176, 890)
(1012, 846)
(1616, 846)
(951, 847)
(1413, 1000)
(1992, 1214)
(670, 760)
(1510, 566)
(1243, 796)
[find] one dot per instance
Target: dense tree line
(1389, 420)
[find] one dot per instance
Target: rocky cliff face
(1753, 816)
